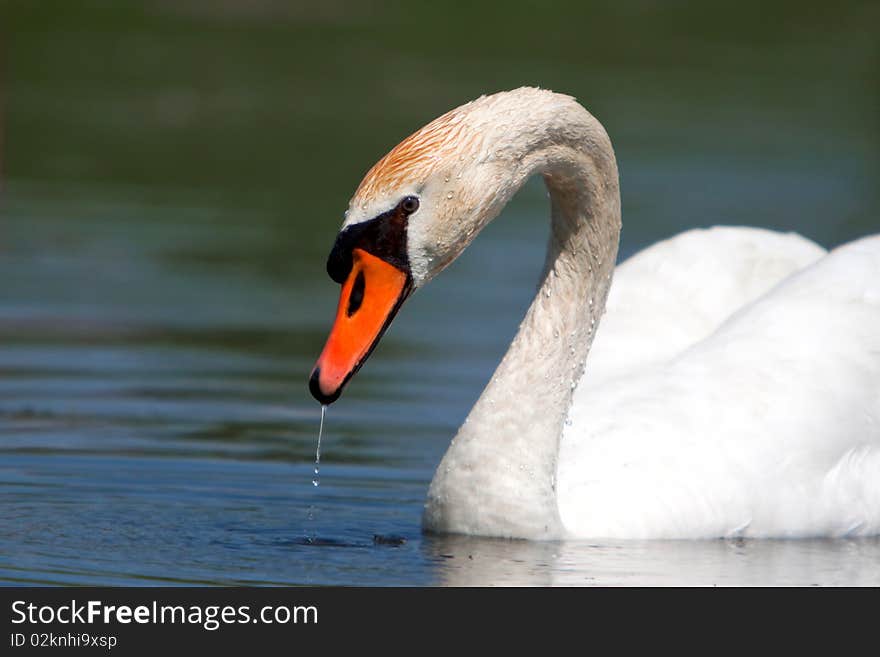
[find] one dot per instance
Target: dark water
(173, 178)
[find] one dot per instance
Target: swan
(734, 389)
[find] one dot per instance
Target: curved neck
(499, 475)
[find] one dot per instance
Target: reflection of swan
(477, 561)
(735, 388)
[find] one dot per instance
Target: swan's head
(414, 212)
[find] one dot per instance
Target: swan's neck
(499, 475)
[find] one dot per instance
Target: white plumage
(733, 387)
(753, 407)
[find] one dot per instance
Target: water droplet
(591, 301)
(446, 179)
(555, 333)
(317, 479)
(449, 195)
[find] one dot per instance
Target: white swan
(735, 385)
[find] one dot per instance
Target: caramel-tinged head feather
(417, 156)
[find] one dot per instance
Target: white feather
(768, 426)
(733, 387)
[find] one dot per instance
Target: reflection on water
(170, 194)
(466, 561)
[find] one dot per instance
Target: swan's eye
(409, 204)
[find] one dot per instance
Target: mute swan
(735, 388)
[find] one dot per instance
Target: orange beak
(370, 297)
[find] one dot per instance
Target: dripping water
(316, 481)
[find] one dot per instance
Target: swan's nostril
(356, 298)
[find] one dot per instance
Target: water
(316, 479)
(163, 232)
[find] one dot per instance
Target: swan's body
(764, 426)
(734, 387)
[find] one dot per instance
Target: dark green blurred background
(279, 107)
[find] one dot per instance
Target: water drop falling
(316, 481)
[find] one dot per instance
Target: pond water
(171, 192)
